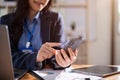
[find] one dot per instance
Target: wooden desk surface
(113, 77)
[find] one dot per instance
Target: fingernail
(56, 52)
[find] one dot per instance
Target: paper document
(75, 76)
(49, 74)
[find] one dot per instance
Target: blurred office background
(97, 20)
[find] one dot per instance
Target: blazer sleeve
(20, 60)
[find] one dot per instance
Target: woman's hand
(63, 59)
(46, 51)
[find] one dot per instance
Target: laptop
(99, 70)
(6, 67)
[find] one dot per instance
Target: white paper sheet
(64, 75)
(75, 76)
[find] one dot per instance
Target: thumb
(54, 44)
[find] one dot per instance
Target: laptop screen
(6, 68)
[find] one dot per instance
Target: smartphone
(73, 43)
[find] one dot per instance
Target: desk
(113, 77)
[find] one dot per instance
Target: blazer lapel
(45, 27)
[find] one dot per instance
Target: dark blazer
(51, 31)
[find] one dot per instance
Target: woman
(34, 30)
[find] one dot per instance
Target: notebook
(6, 68)
(99, 70)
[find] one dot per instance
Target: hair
(21, 13)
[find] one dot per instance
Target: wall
(117, 50)
(117, 35)
(99, 49)
(1, 1)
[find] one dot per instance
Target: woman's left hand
(63, 59)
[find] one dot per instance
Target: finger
(70, 52)
(67, 59)
(76, 52)
(57, 59)
(46, 51)
(49, 49)
(43, 58)
(47, 46)
(59, 56)
(48, 54)
(54, 44)
(53, 50)
(40, 57)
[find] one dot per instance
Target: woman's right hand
(46, 51)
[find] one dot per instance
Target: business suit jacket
(51, 31)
